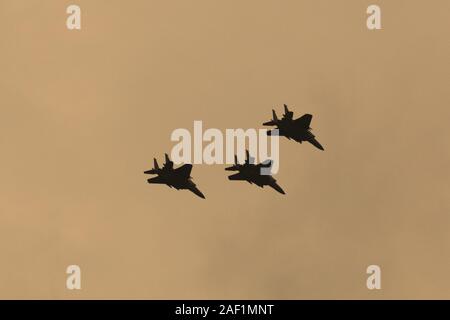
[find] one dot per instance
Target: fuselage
(252, 174)
(172, 180)
(290, 130)
(293, 132)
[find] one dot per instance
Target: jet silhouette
(252, 173)
(297, 129)
(179, 178)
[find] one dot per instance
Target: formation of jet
(298, 129)
(251, 173)
(179, 178)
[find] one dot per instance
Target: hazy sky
(84, 112)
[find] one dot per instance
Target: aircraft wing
(183, 171)
(304, 121)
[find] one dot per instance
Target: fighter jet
(297, 129)
(252, 173)
(179, 178)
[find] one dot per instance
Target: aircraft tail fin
(155, 168)
(235, 166)
(288, 114)
(247, 156)
(274, 120)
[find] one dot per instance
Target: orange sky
(84, 113)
